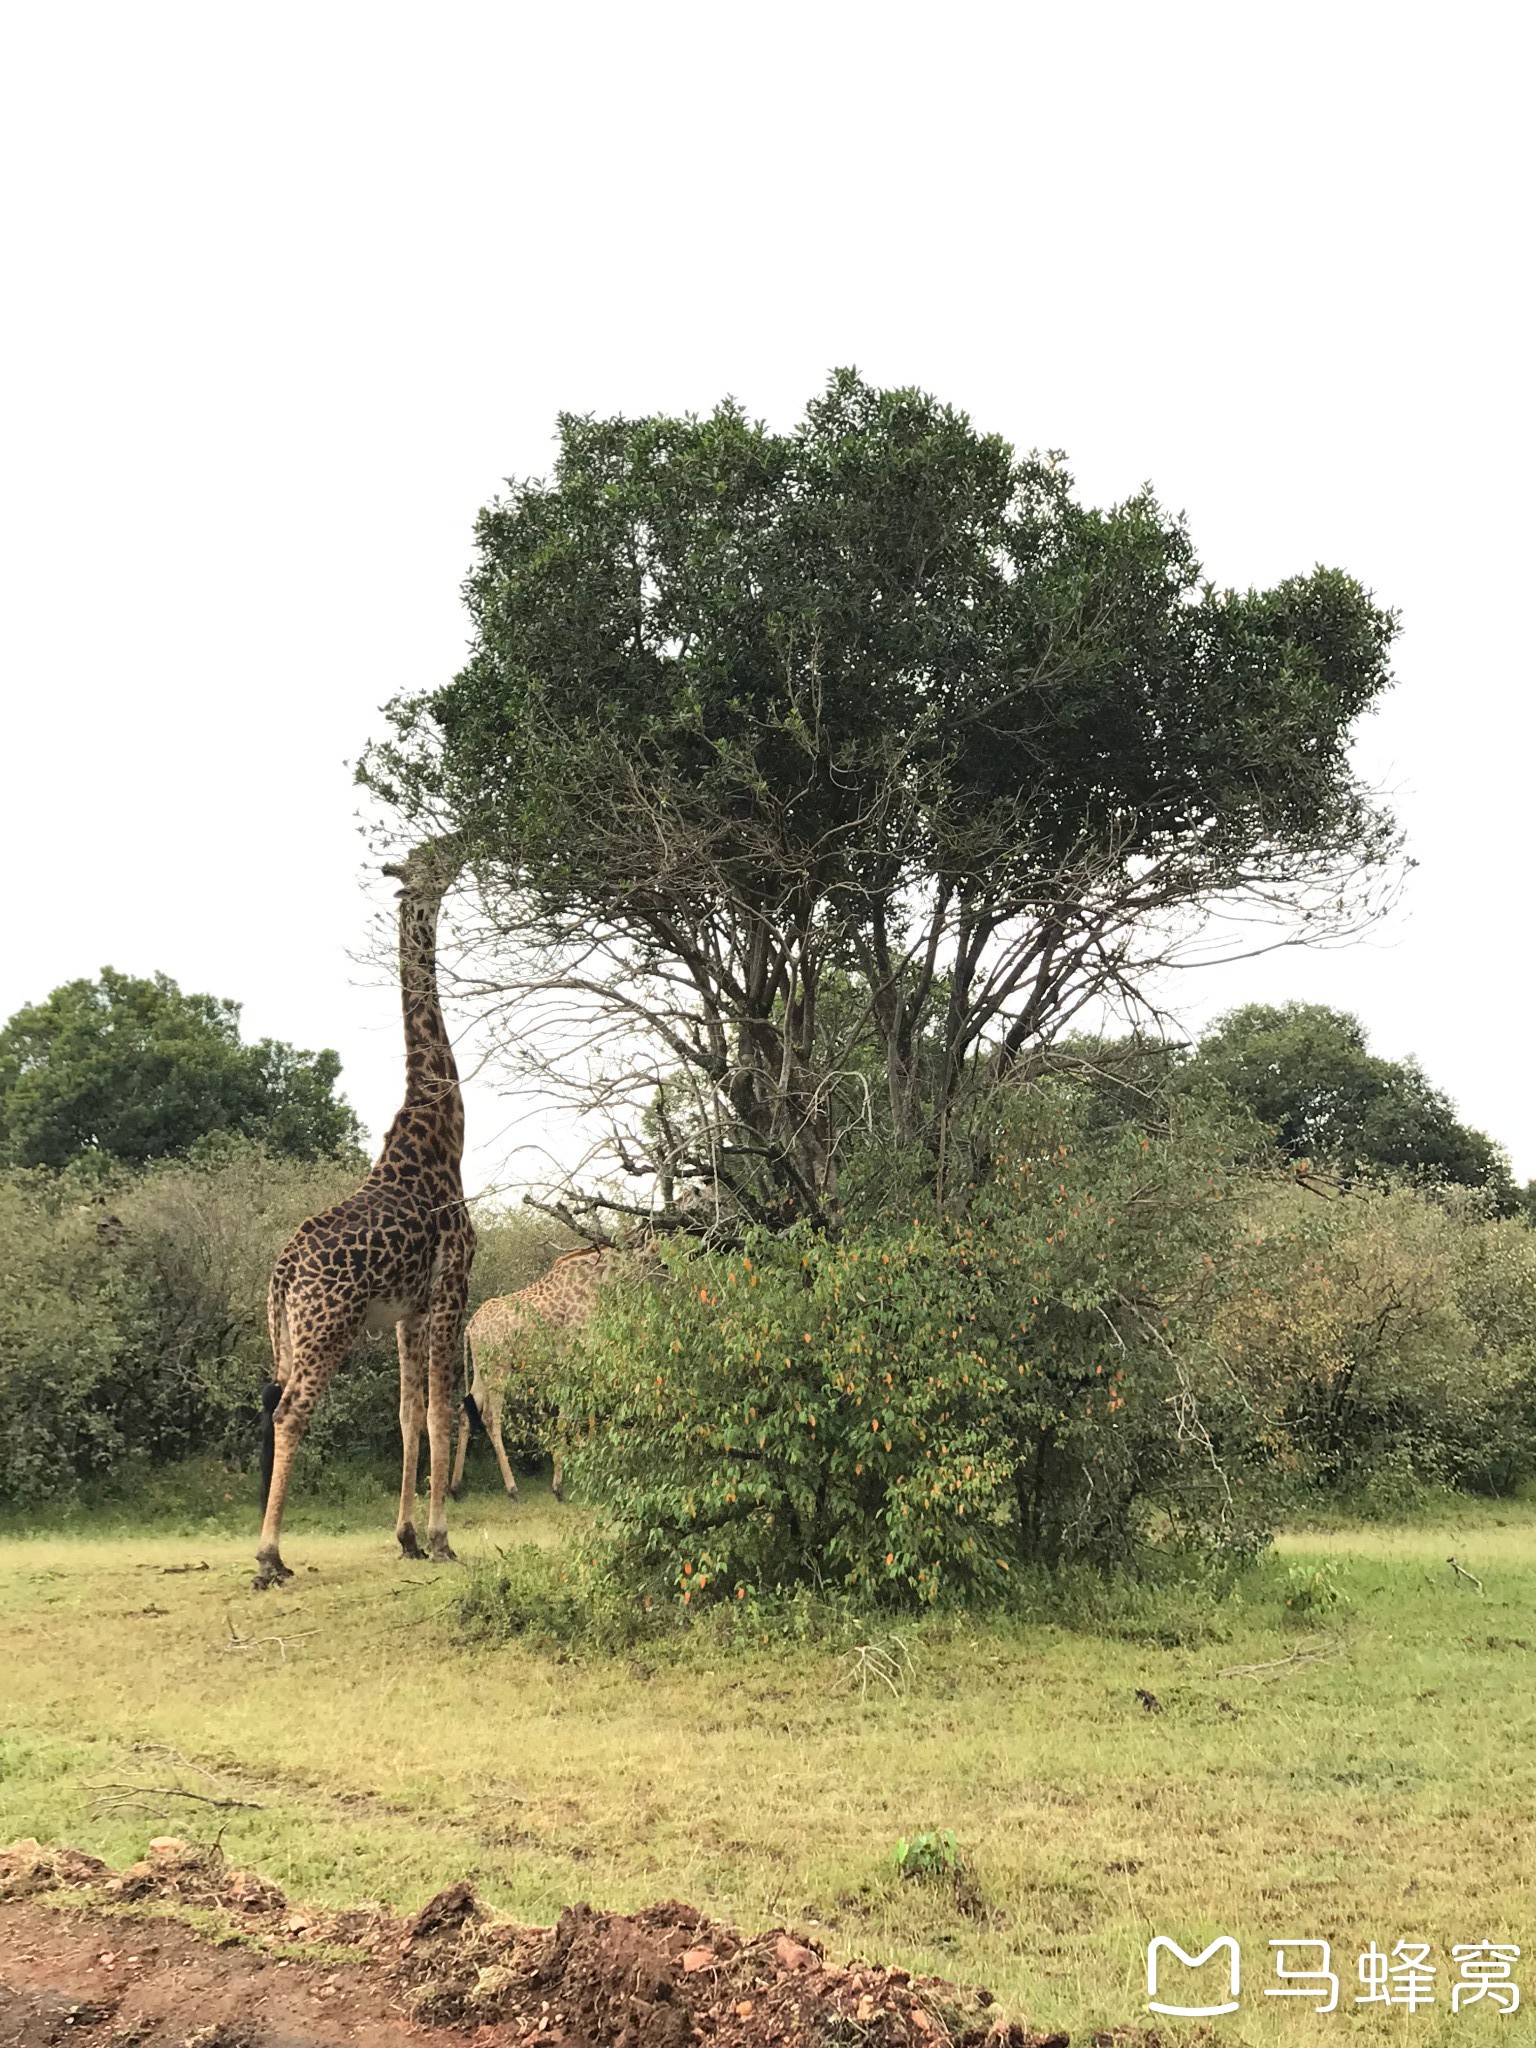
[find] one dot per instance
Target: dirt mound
(265, 1974)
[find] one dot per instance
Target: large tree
(134, 1070)
(863, 751)
(1307, 1072)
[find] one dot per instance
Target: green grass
(1387, 1793)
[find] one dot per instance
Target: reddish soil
(260, 1973)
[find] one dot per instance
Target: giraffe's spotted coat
(396, 1252)
(496, 1338)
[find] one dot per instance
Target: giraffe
(563, 1300)
(398, 1251)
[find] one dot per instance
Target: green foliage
(133, 1317)
(677, 572)
(914, 1415)
(129, 1070)
(1130, 1345)
(561, 1601)
(1388, 1338)
(1312, 1589)
(1305, 1071)
(932, 1856)
(66, 1318)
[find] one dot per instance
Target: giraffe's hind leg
(411, 1340)
(311, 1365)
(493, 1430)
(445, 1319)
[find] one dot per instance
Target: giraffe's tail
(472, 1415)
(271, 1394)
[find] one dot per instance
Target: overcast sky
(292, 288)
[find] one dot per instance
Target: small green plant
(1312, 1589)
(557, 1602)
(932, 1856)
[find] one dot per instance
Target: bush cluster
(1126, 1337)
(133, 1315)
(915, 1413)
(1390, 1335)
(1126, 1341)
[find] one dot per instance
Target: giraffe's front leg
(471, 1410)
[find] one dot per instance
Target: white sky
(290, 289)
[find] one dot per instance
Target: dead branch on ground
(1302, 1654)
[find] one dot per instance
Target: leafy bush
(915, 1414)
(1312, 1589)
(557, 1600)
(1391, 1337)
(67, 1317)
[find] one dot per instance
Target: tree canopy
(135, 1070)
(1306, 1071)
(789, 761)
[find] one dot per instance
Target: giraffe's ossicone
(397, 1252)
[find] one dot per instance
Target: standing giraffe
(563, 1300)
(398, 1251)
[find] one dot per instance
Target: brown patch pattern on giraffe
(398, 1251)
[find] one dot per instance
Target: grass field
(1385, 1792)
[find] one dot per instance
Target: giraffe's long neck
(431, 1076)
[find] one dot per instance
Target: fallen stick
(1300, 1655)
(1456, 1568)
(140, 1795)
(240, 1642)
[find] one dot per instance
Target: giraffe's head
(429, 870)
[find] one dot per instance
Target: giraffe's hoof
(441, 1551)
(270, 1571)
(455, 1493)
(409, 1547)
